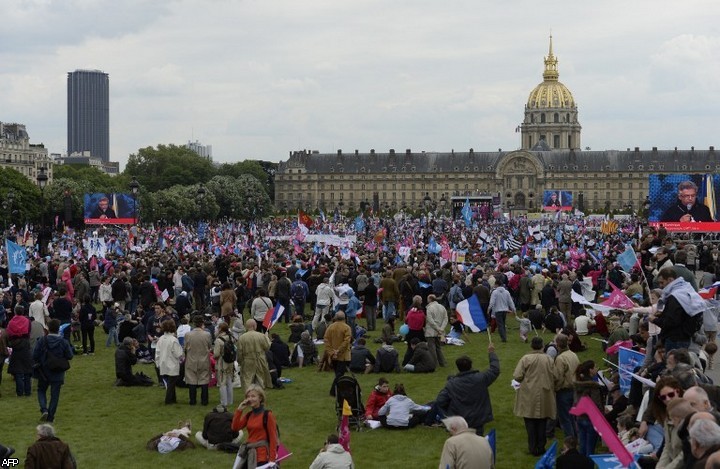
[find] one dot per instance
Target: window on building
(556, 140)
(556, 118)
(542, 118)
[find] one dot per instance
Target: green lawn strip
(108, 426)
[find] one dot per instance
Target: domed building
(551, 113)
(549, 159)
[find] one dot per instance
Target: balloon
(404, 329)
(516, 258)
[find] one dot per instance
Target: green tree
(55, 197)
(181, 203)
(263, 171)
(26, 204)
(90, 178)
(240, 197)
(167, 166)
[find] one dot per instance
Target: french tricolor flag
(273, 315)
(471, 314)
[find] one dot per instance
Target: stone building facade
(16, 152)
(550, 158)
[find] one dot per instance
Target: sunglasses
(668, 396)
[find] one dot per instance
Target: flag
(586, 406)
(471, 314)
(709, 199)
(618, 299)
(628, 360)
(26, 234)
(547, 461)
(513, 244)
(304, 219)
(627, 259)
(322, 215)
(492, 441)
(467, 212)
(344, 431)
(433, 247)
(609, 227)
(17, 257)
(273, 315)
(359, 224)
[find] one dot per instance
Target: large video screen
(555, 200)
(112, 208)
(684, 202)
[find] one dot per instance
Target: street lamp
(581, 202)
(201, 191)
(42, 180)
(134, 189)
(443, 203)
(427, 201)
(646, 206)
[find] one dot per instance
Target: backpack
(229, 353)
(297, 291)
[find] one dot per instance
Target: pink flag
(586, 406)
(618, 299)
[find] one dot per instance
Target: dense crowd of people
(195, 301)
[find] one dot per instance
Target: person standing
(300, 293)
(337, 346)
(324, 298)
(389, 296)
(435, 323)
(198, 344)
(262, 439)
(225, 371)
(54, 344)
(467, 393)
(566, 363)
(88, 315)
(464, 448)
(682, 310)
(282, 294)
(370, 303)
(21, 360)
(535, 398)
(39, 311)
(167, 358)
(252, 346)
(259, 307)
(501, 303)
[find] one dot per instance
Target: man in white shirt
(325, 295)
(39, 311)
(582, 324)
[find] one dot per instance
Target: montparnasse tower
(551, 117)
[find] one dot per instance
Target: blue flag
(467, 212)
(492, 441)
(17, 257)
(627, 259)
(359, 224)
(433, 247)
(548, 459)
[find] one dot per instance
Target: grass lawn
(108, 427)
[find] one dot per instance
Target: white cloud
(258, 79)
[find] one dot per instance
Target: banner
(109, 208)
(628, 360)
(17, 257)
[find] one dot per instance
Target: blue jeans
(112, 337)
(388, 310)
(23, 384)
(564, 400)
(587, 436)
(54, 397)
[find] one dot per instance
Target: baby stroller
(347, 389)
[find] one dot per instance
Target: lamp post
(42, 180)
(427, 201)
(134, 189)
(443, 204)
(646, 206)
(581, 202)
(201, 191)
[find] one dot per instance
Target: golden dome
(551, 93)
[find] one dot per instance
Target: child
(525, 326)
(457, 330)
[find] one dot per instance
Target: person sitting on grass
(421, 361)
(332, 456)
(305, 352)
(361, 359)
(400, 412)
(387, 359)
(378, 397)
(125, 358)
(217, 429)
(280, 351)
(48, 451)
(296, 329)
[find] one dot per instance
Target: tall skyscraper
(88, 110)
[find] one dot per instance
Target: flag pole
(489, 336)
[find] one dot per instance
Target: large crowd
(197, 302)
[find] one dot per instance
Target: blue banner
(17, 257)
(628, 360)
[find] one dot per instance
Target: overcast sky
(259, 78)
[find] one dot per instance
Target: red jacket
(376, 400)
(253, 422)
(415, 319)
